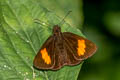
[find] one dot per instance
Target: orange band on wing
(81, 47)
(45, 56)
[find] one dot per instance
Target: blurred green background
(102, 26)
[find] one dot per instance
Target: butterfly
(63, 48)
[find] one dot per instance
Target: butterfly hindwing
(45, 57)
(82, 48)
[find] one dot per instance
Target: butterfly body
(60, 47)
(63, 49)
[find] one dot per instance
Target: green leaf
(21, 38)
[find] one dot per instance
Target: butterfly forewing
(81, 47)
(45, 57)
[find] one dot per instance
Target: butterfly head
(56, 30)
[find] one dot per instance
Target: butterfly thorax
(59, 43)
(58, 36)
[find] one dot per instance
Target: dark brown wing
(45, 58)
(70, 54)
(62, 58)
(80, 47)
(64, 55)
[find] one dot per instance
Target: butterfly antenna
(63, 20)
(40, 22)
